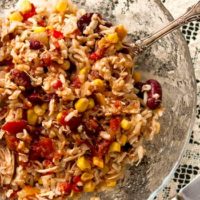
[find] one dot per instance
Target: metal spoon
(193, 13)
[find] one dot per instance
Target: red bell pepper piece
(57, 34)
(30, 13)
(14, 127)
(57, 84)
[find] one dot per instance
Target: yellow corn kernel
(86, 176)
(84, 71)
(137, 76)
(39, 29)
(61, 6)
(121, 31)
(111, 183)
(83, 163)
(16, 16)
(98, 162)
(38, 110)
(123, 139)
(125, 124)
(59, 116)
(115, 147)
(66, 65)
(82, 104)
(102, 43)
(89, 187)
(91, 103)
(98, 83)
(40, 181)
(49, 28)
(112, 38)
(32, 117)
(25, 6)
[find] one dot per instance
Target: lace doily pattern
(190, 163)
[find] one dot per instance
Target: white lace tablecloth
(190, 162)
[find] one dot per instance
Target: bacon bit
(57, 34)
(58, 84)
(97, 55)
(115, 124)
(30, 13)
(118, 104)
(11, 141)
(14, 127)
(42, 149)
(76, 82)
(65, 187)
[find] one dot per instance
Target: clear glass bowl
(169, 62)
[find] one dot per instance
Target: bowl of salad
(82, 118)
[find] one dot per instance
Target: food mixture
(72, 112)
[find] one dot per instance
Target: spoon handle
(193, 13)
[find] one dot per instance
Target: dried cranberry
(84, 21)
(14, 127)
(154, 96)
(20, 78)
(42, 149)
(35, 44)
